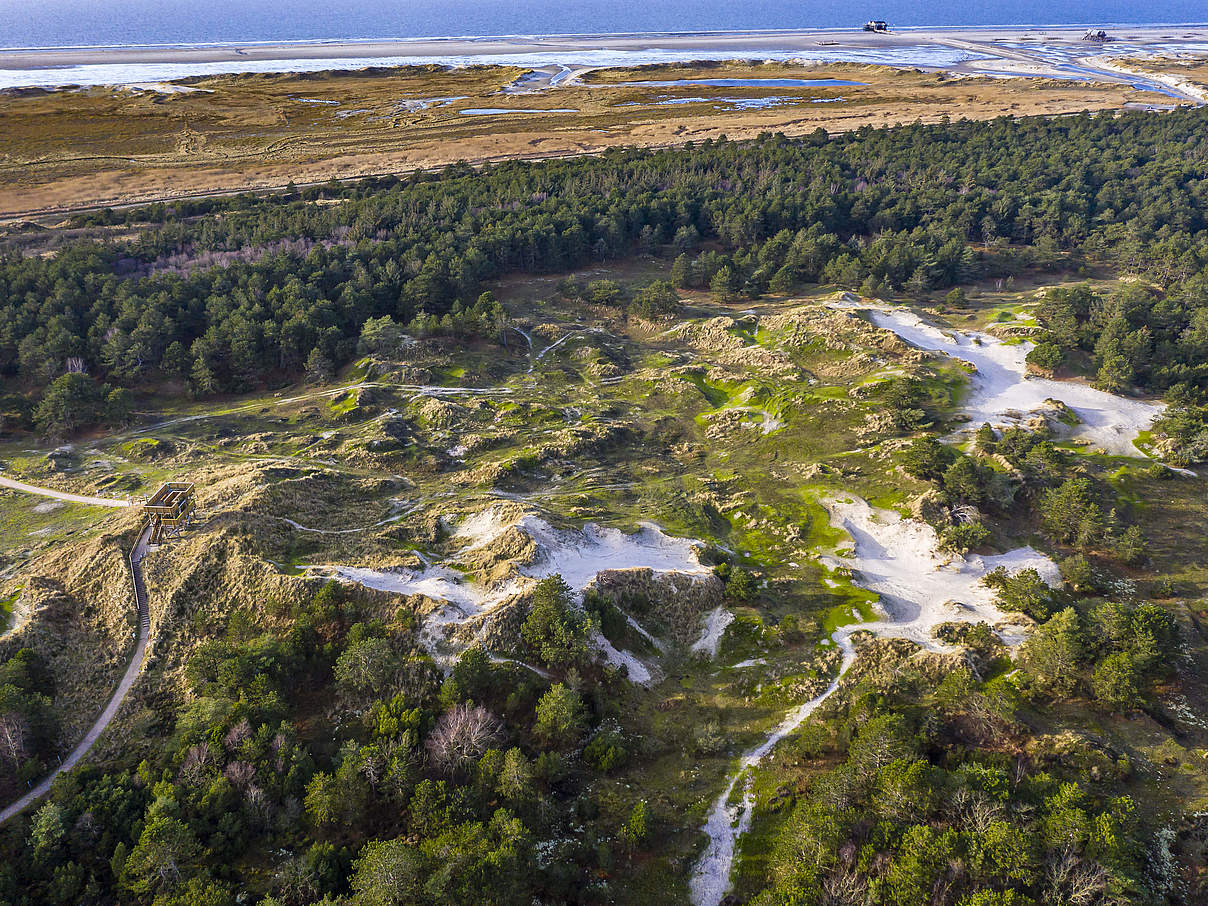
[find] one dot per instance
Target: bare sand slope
(578, 556)
(1005, 394)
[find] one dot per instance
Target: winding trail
(119, 694)
(918, 588)
(61, 495)
(727, 821)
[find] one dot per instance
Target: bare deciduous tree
(295, 882)
(975, 810)
(844, 888)
(14, 739)
(241, 774)
(193, 768)
(1074, 881)
(259, 806)
(237, 734)
(461, 735)
(372, 766)
(965, 513)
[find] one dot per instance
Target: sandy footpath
(919, 587)
(15, 485)
(133, 670)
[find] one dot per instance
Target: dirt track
(61, 495)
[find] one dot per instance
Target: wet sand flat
(833, 43)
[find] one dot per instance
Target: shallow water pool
(491, 111)
(745, 83)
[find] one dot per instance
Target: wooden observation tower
(170, 510)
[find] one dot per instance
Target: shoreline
(578, 36)
(736, 42)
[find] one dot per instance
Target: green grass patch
(6, 610)
(343, 404)
(715, 393)
(291, 567)
(360, 370)
(745, 332)
(854, 610)
(828, 392)
(145, 448)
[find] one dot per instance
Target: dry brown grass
(1194, 69)
(60, 150)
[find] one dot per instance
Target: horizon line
(335, 41)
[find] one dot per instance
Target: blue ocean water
(71, 23)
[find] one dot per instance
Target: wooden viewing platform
(170, 510)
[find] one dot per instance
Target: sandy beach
(821, 44)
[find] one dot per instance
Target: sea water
(74, 23)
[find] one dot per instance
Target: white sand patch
(920, 587)
(767, 422)
(437, 582)
(1178, 85)
(49, 506)
(578, 556)
(752, 662)
(616, 657)
(641, 630)
(716, 622)
(544, 674)
(414, 105)
(554, 345)
(465, 599)
(900, 560)
(1003, 393)
(166, 88)
(480, 529)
